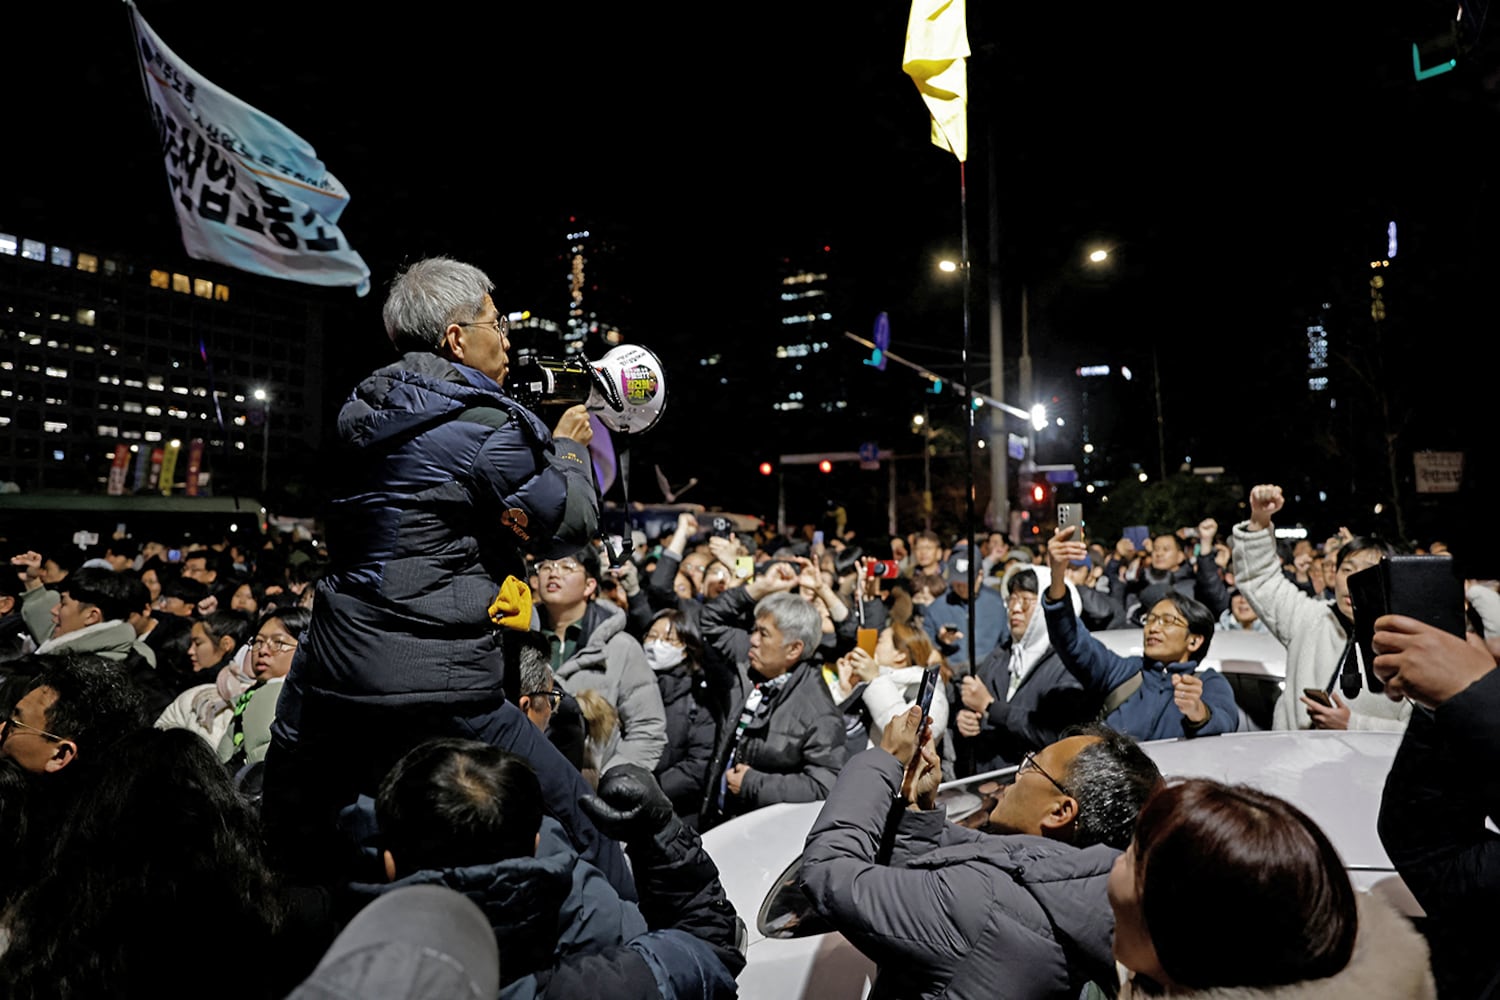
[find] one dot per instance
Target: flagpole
(963, 229)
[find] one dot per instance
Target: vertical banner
(118, 470)
(249, 192)
(157, 457)
(195, 464)
(169, 467)
(142, 470)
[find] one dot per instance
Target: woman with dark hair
(1287, 922)
(254, 709)
(892, 677)
(674, 649)
(155, 878)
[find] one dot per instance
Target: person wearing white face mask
(674, 649)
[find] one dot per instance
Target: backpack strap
(1121, 694)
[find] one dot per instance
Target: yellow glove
(512, 606)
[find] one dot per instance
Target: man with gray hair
(1017, 909)
(783, 739)
(447, 483)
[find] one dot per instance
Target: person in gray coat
(957, 913)
(591, 650)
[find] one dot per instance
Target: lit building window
(203, 288)
(110, 266)
(88, 262)
(8, 244)
(106, 431)
(62, 256)
(221, 293)
(54, 426)
(154, 384)
(181, 283)
(57, 372)
(153, 435)
(160, 279)
(84, 317)
(33, 250)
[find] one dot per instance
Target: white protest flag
(249, 192)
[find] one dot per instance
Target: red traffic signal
(765, 468)
(1038, 493)
(825, 466)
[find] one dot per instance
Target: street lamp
(264, 398)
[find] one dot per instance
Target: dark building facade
(100, 351)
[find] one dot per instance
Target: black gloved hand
(630, 805)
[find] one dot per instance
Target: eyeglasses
(500, 323)
(1023, 601)
(275, 643)
(555, 696)
(667, 637)
(558, 568)
(13, 723)
(1165, 621)
(1028, 763)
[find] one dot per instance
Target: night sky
(1245, 161)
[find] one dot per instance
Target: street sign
(869, 455)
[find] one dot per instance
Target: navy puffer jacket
(450, 481)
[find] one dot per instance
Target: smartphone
(817, 538)
(1069, 514)
(744, 567)
(867, 638)
(1319, 695)
(930, 678)
(1421, 587)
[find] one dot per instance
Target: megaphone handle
(607, 389)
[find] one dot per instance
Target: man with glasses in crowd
(73, 708)
(1023, 696)
(1159, 695)
(447, 482)
(1018, 909)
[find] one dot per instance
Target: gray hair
(429, 295)
(1110, 780)
(795, 618)
(535, 670)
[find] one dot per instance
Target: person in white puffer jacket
(1316, 634)
(893, 676)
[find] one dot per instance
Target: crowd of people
(222, 761)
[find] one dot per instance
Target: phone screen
(925, 690)
(817, 538)
(868, 637)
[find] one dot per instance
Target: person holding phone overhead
(1018, 910)
(1321, 654)
(1159, 695)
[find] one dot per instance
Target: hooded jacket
(448, 481)
(956, 913)
(541, 908)
(1047, 701)
(1390, 962)
(611, 662)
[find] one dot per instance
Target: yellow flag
(937, 45)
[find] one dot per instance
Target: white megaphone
(626, 387)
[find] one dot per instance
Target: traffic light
(766, 468)
(825, 466)
(1039, 493)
